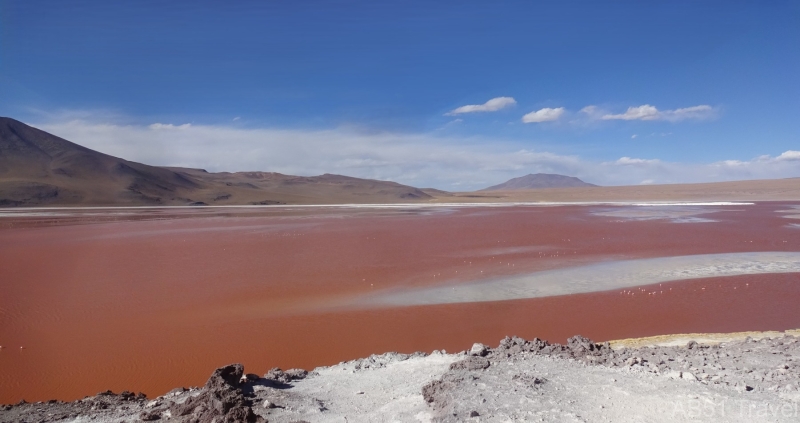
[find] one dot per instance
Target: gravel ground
(750, 380)
(532, 381)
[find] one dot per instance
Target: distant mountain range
(40, 169)
(37, 168)
(540, 180)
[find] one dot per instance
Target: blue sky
(368, 88)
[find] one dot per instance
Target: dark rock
(249, 378)
(431, 390)
(149, 416)
(221, 400)
(278, 375)
(225, 377)
(470, 363)
(579, 346)
(297, 374)
(479, 349)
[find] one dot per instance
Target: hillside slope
(38, 168)
(540, 180)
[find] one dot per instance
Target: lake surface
(151, 299)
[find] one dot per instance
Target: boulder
(470, 363)
(478, 349)
(221, 400)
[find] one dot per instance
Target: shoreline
(555, 381)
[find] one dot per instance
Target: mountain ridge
(39, 168)
(540, 180)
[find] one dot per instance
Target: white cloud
(648, 112)
(543, 115)
(168, 126)
(633, 137)
(236, 118)
(632, 161)
(790, 155)
(414, 159)
(787, 158)
(450, 124)
(492, 105)
(421, 159)
(647, 182)
(700, 112)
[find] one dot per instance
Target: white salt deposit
(594, 278)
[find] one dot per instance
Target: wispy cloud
(632, 161)
(421, 159)
(492, 105)
(169, 126)
(648, 112)
(544, 115)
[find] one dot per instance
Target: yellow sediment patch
(701, 338)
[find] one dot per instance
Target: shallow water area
(151, 299)
(673, 213)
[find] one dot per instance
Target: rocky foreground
(749, 380)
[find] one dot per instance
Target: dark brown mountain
(38, 168)
(540, 180)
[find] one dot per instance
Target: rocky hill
(38, 168)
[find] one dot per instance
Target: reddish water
(148, 305)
